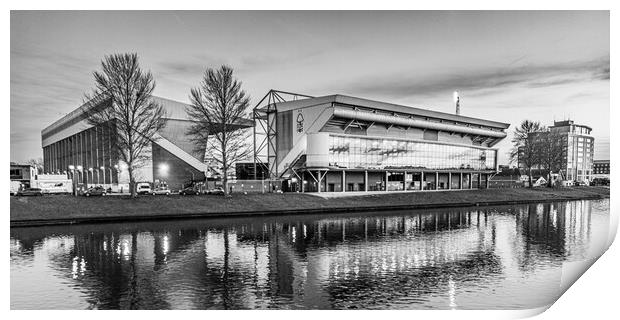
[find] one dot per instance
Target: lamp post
(117, 176)
(92, 176)
(79, 169)
(73, 184)
(294, 180)
(103, 173)
(263, 179)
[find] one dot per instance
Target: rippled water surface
(490, 257)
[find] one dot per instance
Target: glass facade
(374, 153)
(579, 158)
(91, 149)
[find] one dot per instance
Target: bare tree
(551, 152)
(524, 149)
(217, 107)
(37, 164)
(121, 104)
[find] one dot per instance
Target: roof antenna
(457, 102)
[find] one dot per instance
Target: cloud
(45, 85)
(604, 73)
(485, 81)
(242, 64)
(259, 61)
(197, 64)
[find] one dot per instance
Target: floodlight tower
(457, 102)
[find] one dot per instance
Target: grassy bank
(68, 209)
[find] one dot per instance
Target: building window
(358, 152)
(16, 174)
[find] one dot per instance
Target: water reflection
(469, 258)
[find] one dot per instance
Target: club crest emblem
(300, 122)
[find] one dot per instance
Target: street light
(73, 184)
(163, 169)
(111, 175)
(79, 169)
(92, 176)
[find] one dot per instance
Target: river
(500, 257)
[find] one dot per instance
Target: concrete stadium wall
(174, 171)
(175, 131)
(251, 186)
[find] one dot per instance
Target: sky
(507, 66)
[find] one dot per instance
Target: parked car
(189, 191)
(161, 190)
(218, 190)
(143, 188)
(96, 191)
(29, 192)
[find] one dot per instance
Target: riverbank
(52, 210)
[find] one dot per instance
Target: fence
(504, 183)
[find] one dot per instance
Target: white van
(143, 188)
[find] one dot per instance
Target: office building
(600, 169)
(577, 149)
(578, 144)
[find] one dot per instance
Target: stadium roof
(389, 107)
(174, 109)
